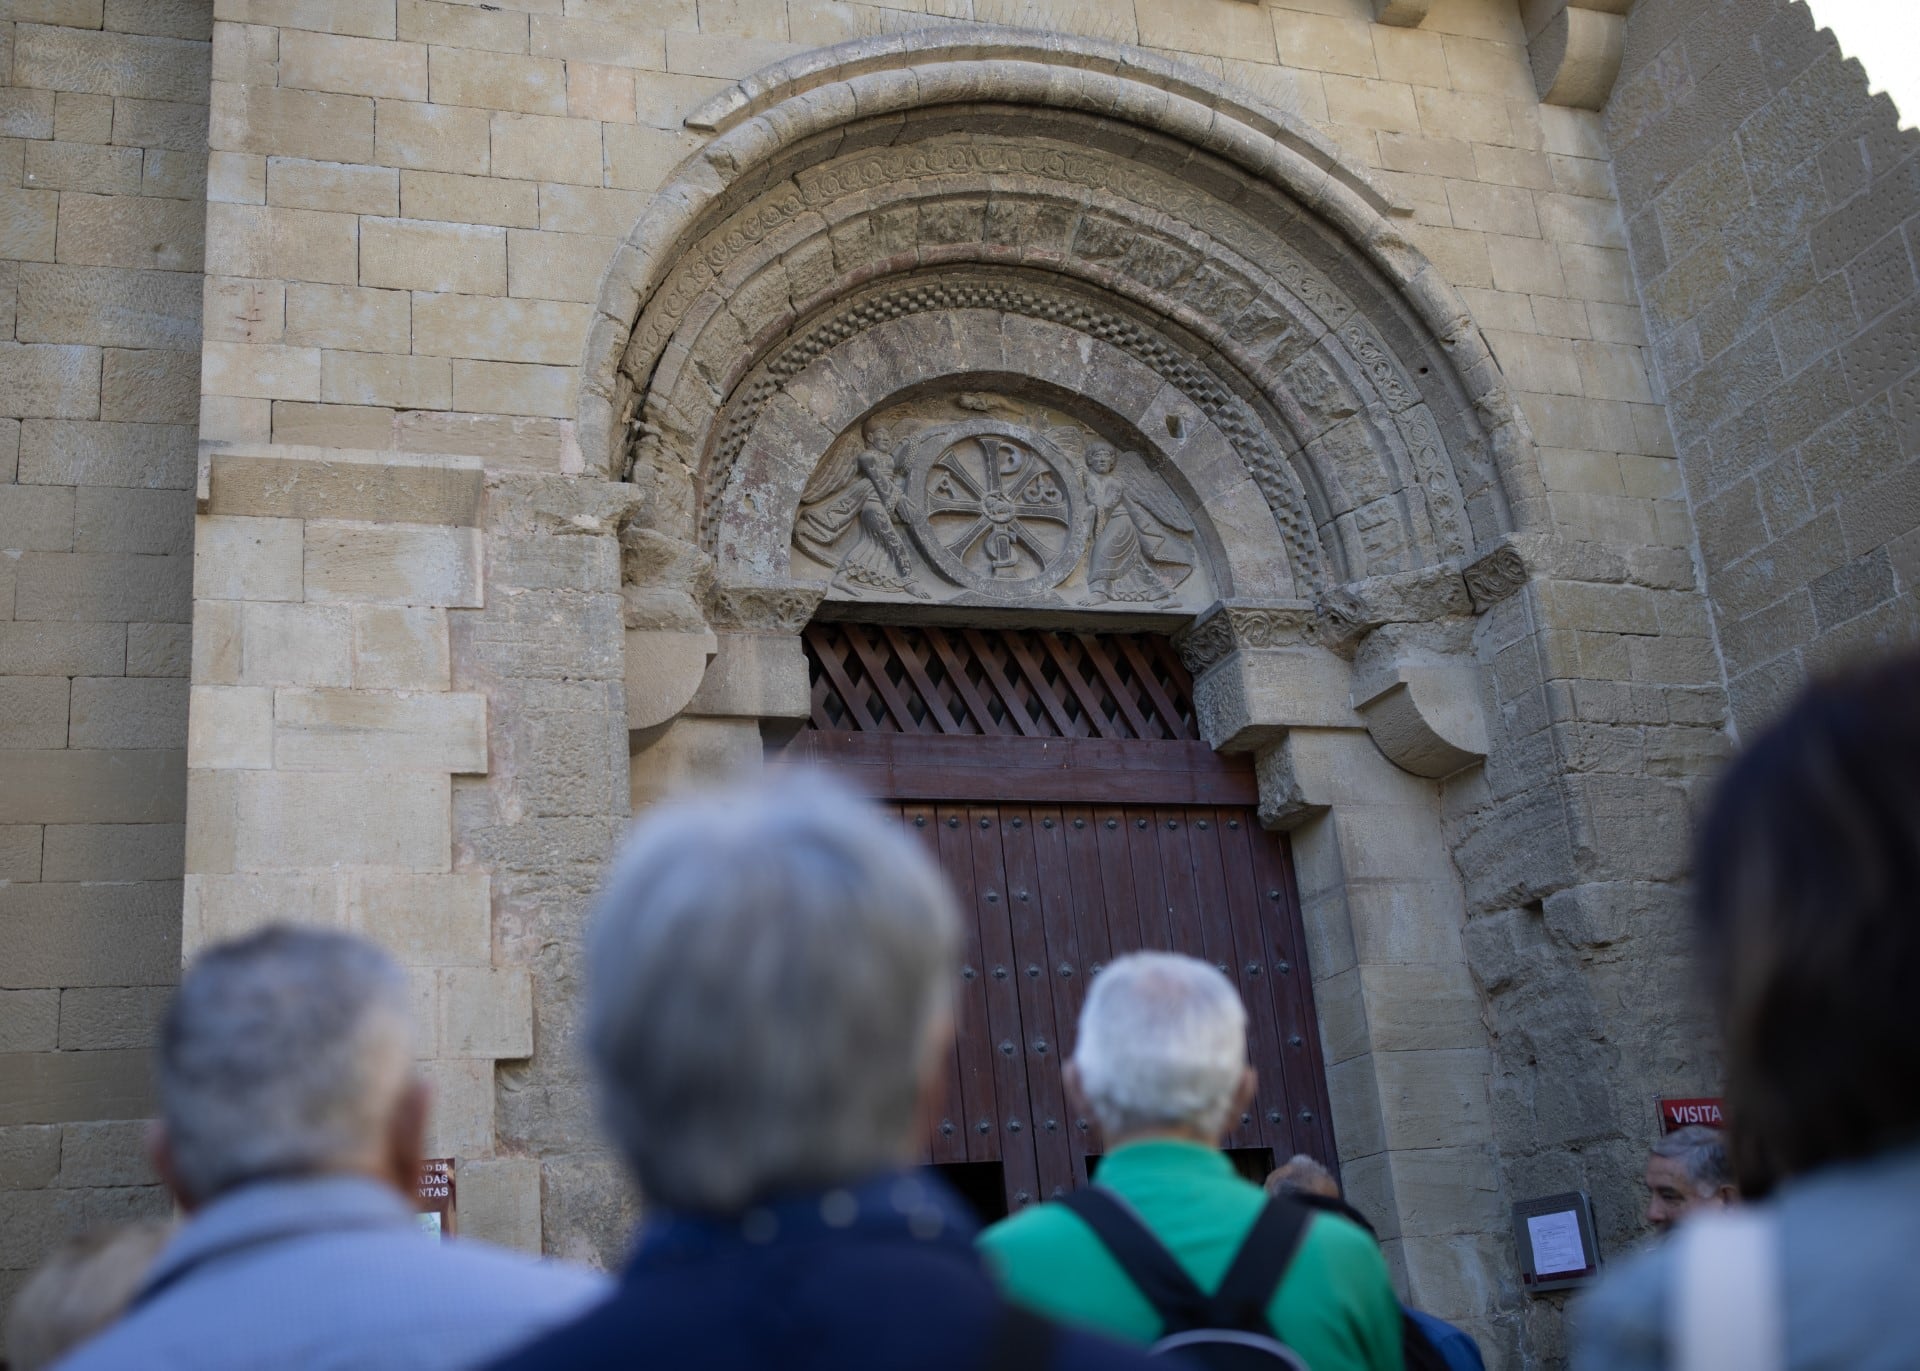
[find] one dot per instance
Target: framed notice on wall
(434, 1200)
(1555, 1235)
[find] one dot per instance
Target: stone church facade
(431, 426)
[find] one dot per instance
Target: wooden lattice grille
(884, 678)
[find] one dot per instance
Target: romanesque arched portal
(984, 329)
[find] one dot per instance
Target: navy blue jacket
(875, 1278)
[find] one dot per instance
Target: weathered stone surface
(349, 730)
(306, 487)
(415, 565)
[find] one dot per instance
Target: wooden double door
(1068, 849)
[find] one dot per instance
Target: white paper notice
(1556, 1243)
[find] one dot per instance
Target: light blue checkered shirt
(331, 1272)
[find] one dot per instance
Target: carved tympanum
(992, 500)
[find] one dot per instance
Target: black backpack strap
(1260, 1265)
(1023, 1341)
(1181, 1304)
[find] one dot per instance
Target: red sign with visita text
(1704, 1111)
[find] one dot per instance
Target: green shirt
(1335, 1307)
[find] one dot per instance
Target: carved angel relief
(983, 499)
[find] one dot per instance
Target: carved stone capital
(763, 607)
(1576, 47)
(1292, 789)
(1495, 576)
(1230, 625)
(1262, 669)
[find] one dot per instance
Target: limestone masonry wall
(409, 663)
(103, 126)
(1775, 216)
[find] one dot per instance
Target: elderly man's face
(1672, 1195)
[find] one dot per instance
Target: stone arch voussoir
(1227, 244)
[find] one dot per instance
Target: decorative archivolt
(1261, 284)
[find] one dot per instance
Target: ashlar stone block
(224, 906)
(432, 137)
(301, 184)
(272, 243)
(292, 123)
(496, 81)
(409, 565)
(514, 388)
(288, 482)
(33, 711)
(158, 385)
(231, 727)
(348, 318)
(44, 380)
(486, 1012)
(364, 18)
(237, 558)
(460, 1123)
(408, 254)
(500, 1201)
(128, 712)
(351, 730)
(113, 852)
(433, 920)
(500, 330)
(373, 378)
(538, 147)
(353, 66)
(446, 197)
(301, 820)
(261, 372)
(285, 644)
(400, 648)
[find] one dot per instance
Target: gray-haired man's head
(769, 983)
(1162, 1049)
(287, 1052)
(1687, 1170)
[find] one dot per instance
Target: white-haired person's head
(1162, 1050)
(287, 1053)
(769, 992)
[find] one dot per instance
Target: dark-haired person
(1808, 900)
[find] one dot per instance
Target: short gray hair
(1702, 1154)
(284, 1052)
(1163, 1043)
(767, 969)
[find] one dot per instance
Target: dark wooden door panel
(1013, 1119)
(946, 1139)
(1046, 1097)
(970, 1004)
(1060, 783)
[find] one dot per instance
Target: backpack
(1224, 1331)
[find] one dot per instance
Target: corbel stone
(1418, 689)
(1405, 14)
(1260, 669)
(756, 676)
(759, 670)
(664, 669)
(1576, 46)
(1294, 784)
